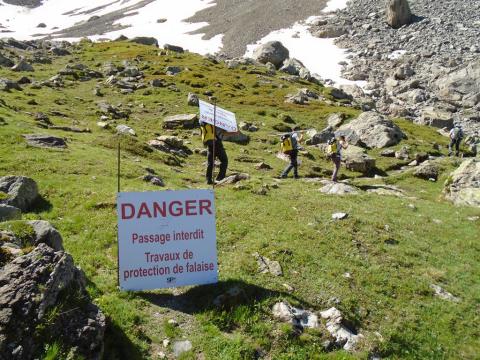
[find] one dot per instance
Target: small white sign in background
(166, 239)
(224, 119)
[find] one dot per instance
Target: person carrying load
(290, 146)
(212, 139)
(334, 152)
(456, 136)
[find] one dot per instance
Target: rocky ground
(62, 108)
(428, 71)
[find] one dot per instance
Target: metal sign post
(214, 140)
(118, 192)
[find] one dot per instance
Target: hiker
(473, 142)
(456, 136)
(334, 151)
(290, 146)
(214, 144)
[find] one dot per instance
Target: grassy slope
(388, 296)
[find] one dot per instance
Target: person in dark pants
(214, 143)
(456, 136)
(290, 147)
(221, 154)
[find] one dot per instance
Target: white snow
(320, 56)
(23, 21)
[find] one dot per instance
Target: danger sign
(166, 239)
(217, 116)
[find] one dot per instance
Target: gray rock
(359, 162)
(186, 121)
(339, 216)
(299, 318)
(403, 153)
(173, 48)
(238, 138)
(337, 188)
(192, 99)
(460, 85)
(292, 66)
(154, 180)
(272, 52)
(443, 294)
(125, 130)
(322, 137)
(45, 141)
(234, 296)
(435, 117)
(330, 31)
(171, 145)
(4, 61)
(427, 171)
(343, 336)
(173, 70)
(398, 13)
(22, 191)
(266, 265)
(33, 285)
(7, 85)
(374, 131)
(145, 40)
(463, 185)
(8, 212)
(45, 233)
(233, 179)
(180, 347)
(22, 65)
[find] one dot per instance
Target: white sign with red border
(224, 119)
(166, 239)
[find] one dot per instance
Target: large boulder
(427, 171)
(373, 131)
(7, 85)
(143, 40)
(20, 191)
(272, 52)
(186, 121)
(22, 65)
(292, 66)
(398, 13)
(43, 299)
(463, 185)
(461, 87)
(4, 61)
(45, 141)
(357, 160)
(435, 117)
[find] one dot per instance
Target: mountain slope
(393, 248)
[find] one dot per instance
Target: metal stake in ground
(214, 140)
(118, 192)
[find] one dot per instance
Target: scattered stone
(373, 130)
(403, 153)
(238, 138)
(443, 294)
(22, 65)
(263, 166)
(125, 130)
(7, 85)
(299, 318)
(4, 61)
(155, 180)
(192, 99)
(21, 191)
(336, 120)
(427, 171)
(173, 70)
(463, 185)
(289, 288)
(186, 121)
(344, 337)
(338, 188)
(8, 212)
(388, 153)
(158, 83)
(386, 190)
(45, 233)
(180, 347)
(171, 145)
(233, 179)
(173, 48)
(145, 41)
(45, 141)
(265, 265)
(272, 52)
(339, 216)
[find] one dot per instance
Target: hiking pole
(214, 140)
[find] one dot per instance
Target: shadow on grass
(223, 295)
(41, 205)
(118, 346)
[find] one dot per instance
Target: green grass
(388, 299)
